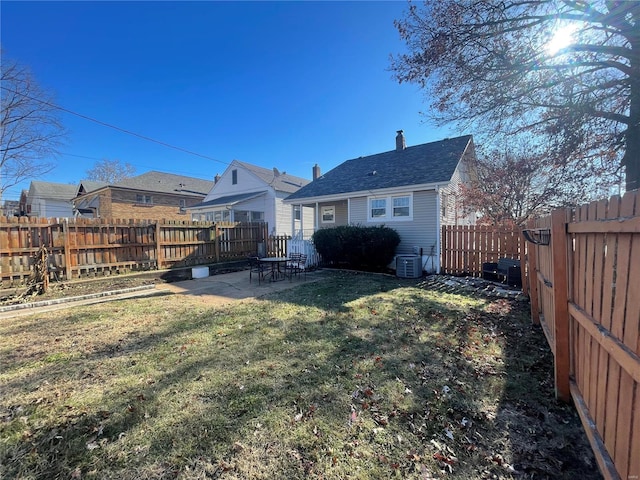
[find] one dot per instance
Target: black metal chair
(255, 266)
(296, 265)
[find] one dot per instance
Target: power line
(123, 130)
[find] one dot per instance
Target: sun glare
(562, 38)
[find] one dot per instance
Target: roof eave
(367, 193)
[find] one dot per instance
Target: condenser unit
(408, 266)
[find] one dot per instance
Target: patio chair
(255, 266)
(296, 265)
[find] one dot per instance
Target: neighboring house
(413, 190)
(49, 200)
(10, 208)
(150, 196)
(248, 193)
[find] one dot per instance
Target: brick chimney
(316, 172)
(400, 143)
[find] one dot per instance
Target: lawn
(355, 376)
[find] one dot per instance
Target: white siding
(283, 217)
(451, 200)
(359, 211)
(247, 183)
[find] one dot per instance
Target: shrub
(357, 247)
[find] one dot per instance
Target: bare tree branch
(30, 130)
(487, 65)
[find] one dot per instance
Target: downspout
(317, 219)
(349, 211)
(438, 239)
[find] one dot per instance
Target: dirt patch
(88, 286)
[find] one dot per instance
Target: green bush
(357, 247)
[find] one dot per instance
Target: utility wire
(128, 132)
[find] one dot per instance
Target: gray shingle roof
(281, 182)
(417, 165)
(90, 185)
(59, 191)
(168, 183)
(229, 199)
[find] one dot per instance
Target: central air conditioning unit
(408, 266)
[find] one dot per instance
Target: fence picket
(83, 247)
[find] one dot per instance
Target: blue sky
(276, 84)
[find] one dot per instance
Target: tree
(30, 128)
(563, 71)
(110, 171)
(513, 185)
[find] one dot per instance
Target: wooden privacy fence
(83, 247)
(466, 248)
(584, 287)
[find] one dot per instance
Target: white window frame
(297, 212)
(389, 208)
(326, 209)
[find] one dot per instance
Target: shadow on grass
(355, 373)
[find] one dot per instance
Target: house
(49, 200)
(413, 190)
(150, 196)
(10, 208)
(248, 193)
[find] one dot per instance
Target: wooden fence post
(67, 248)
(532, 260)
(159, 251)
(559, 245)
(216, 243)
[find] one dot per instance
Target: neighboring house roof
(280, 181)
(168, 183)
(428, 163)
(158, 182)
(52, 191)
(86, 186)
(229, 199)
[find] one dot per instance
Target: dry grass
(356, 376)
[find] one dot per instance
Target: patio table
(275, 272)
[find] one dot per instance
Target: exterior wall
(122, 204)
(452, 211)
(341, 216)
(247, 182)
(283, 216)
(420, 232)
(48, 208)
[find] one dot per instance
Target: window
(378, 207)
(391, 208)
(234, 177)
(328, 214)
(144, 199)
(401, 206)
(248, 216)
(183, 204)
(297, 212)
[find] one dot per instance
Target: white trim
(388, 217)
(327, 207)
(348, 211)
